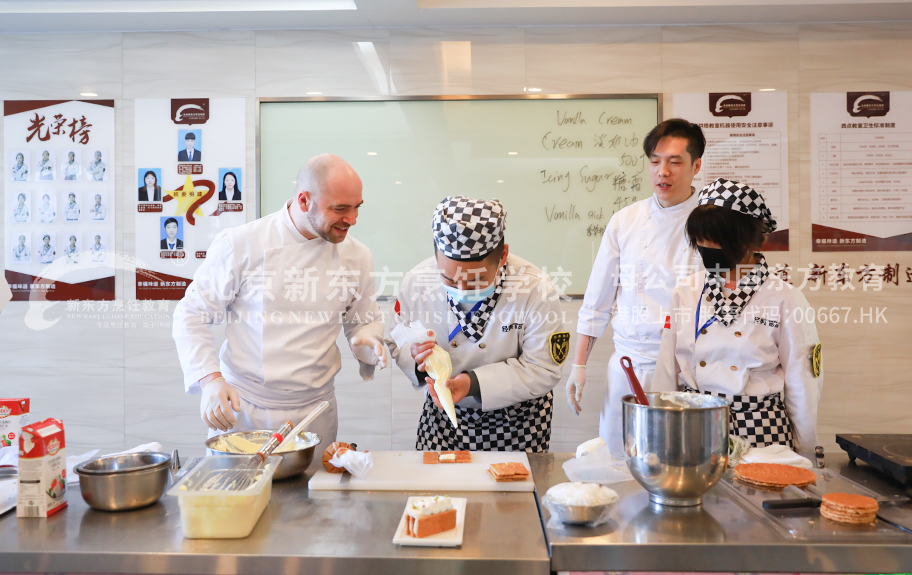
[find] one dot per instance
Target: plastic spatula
(627, 366)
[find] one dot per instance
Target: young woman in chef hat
(738, 332)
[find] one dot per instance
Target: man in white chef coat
(285, 284)
(498, 316)
(643, 252)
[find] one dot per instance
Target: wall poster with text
(861, 171)
(747, 142)
(189, 185)
(59, 194)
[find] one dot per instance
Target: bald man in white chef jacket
(285, 284)
(643, 252)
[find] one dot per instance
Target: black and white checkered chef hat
(465, 228)
(739, 197)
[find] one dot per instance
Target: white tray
(451, 538)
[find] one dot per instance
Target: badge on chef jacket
(560, 346)
(816, 360)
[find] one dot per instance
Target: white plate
(451, 538)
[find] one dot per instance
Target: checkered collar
(727, 309)
(474, 326)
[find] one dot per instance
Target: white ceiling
(143, 15)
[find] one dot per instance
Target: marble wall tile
(594, 60)
(716, 58)
(291, 63)
(189, 64)
(843, 57)
(77, 337)
(60, 66)
(433, 61)
(155, 403)
(188, 445)
(89, 400)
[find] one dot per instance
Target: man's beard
(316, 229)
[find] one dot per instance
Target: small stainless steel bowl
(122, 482)
(293, 462)
(579, 514)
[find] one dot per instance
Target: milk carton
(42, 469)
(14, 413)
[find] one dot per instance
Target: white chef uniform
(748, 345)
(512, 359)
(284, 298)
(48, 213)
(764, 352)
(72, 211)
(20, 213)
(46, 254)
(643, 253)
(98, 212)
(21, 254)
(98, 252)
(70, 170)
(97, 171)
(72, 255)
(20, 172)
(45, 170)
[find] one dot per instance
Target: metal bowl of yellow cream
(295, 458)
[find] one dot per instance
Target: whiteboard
(561, 168)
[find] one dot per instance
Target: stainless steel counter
(719, 536)
(300, 531)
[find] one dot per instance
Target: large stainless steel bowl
(293, 462)
(676, 453)
(122, 482)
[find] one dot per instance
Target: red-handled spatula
(635, 387)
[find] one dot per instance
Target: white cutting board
(403, 471)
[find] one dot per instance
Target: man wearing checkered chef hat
(498, 317)
(749, 337)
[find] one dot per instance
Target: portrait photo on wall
(230, 184)
(47, 206)
(148, 181)
(70, 164)
(98, 207)
(45, 164)
(47, 246)
(22, 253)
(98, 250)
(96, 165)
(19, 165)
(71, 252)
(190, 146)
(172, 232)
(22, 209)
(72, 209)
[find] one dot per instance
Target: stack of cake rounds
(849, 508)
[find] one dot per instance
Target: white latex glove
(218, 395)
(368, 349)
(575, 384)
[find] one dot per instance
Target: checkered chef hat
(465, 228)
(739, 197)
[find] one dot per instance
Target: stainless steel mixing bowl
(677, 454)
(293, 462)
(122, 482)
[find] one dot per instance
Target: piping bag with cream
(438, 364)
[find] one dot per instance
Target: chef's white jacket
(643, 252)
(284, 298)
(513, 360)
(766, 350)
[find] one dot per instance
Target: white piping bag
(438, 364)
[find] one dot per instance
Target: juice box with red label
(14, 413)
(42, 469)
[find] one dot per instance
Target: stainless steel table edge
(200, 564)
(775, 554)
